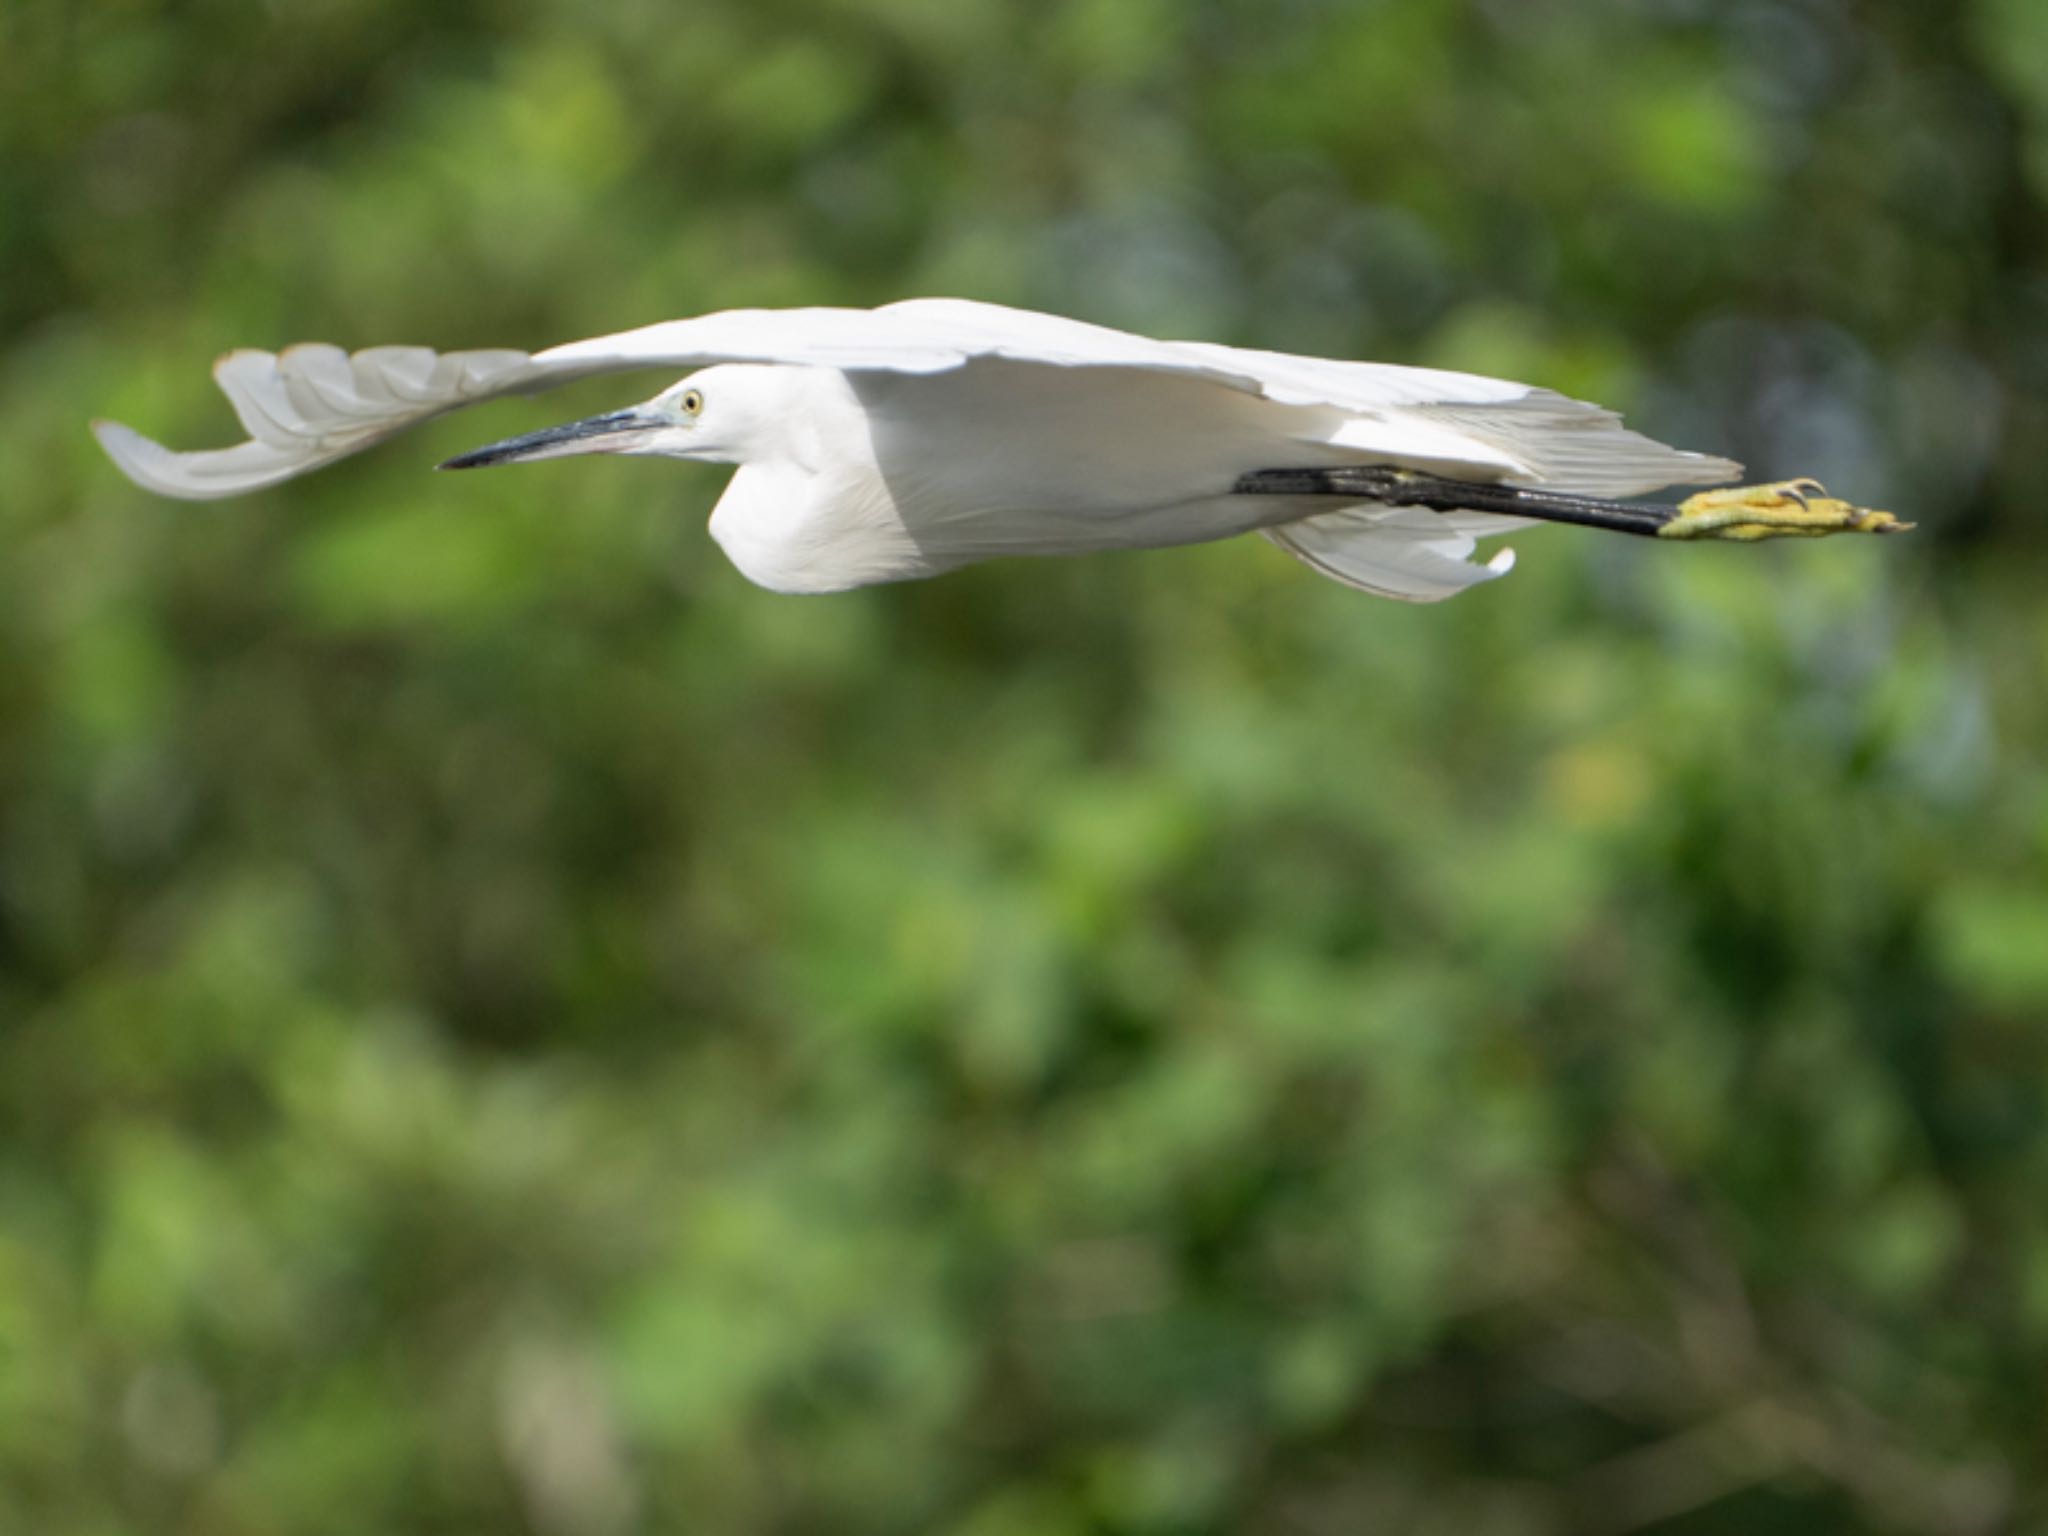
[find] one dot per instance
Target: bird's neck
(792, 529)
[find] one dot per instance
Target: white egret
(881, 445)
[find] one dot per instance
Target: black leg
(1795, 508)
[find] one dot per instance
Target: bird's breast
(809, 530)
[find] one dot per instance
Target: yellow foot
(1791, 509)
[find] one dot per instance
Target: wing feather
(1400, 552)
(313, 404)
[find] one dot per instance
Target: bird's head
(731, 414)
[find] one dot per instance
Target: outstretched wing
(1494, 429)
(313, 404)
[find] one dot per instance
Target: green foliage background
(505, 1027)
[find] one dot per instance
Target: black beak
(609, 433)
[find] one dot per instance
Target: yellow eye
(692, 401)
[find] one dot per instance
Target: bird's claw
(1789, 509)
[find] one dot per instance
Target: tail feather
(1570, 445)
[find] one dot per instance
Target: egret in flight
(887, 444)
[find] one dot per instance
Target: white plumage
(881, 445)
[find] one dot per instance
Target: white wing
(313, 404)
(1404, 552)
(1495, 428)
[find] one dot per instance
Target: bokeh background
(505, 1027)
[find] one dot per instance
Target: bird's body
(883, 445)
(887, 477)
